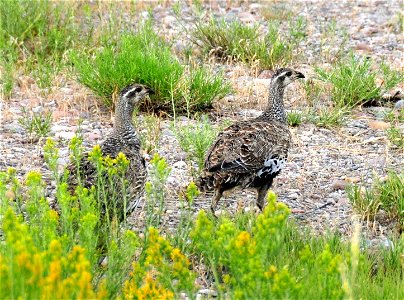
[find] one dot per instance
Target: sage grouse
(250, 154)
(123, 138)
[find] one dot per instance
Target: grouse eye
(289, 73)
(138, 89)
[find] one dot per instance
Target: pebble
(399, 105)
(293, 196)
(339, 185)
(378, 125)
(208, 292)
(180, 165)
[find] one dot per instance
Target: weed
(36, 123)
(326, 117)
(195, 139)
(395, 116)
(313, 90)
(387, 195)
(149, 131)
(155, 191)
(180, 237)
(294, 118)
(354, 81)
(364, 201)
(202, 87)
(396, 136)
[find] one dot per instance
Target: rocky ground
(322, 161)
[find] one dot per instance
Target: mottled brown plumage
(250, 154)
(123, 138)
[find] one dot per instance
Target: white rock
(208, 292)
(293, 196)
(180, 165)
(399, 104)
(67, 135)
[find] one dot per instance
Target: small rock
(293, 196)
(220, 212)
(250, 113)
(67, 135)
(37, 109)
(10, 195)
(379, 125)
(352, 179)
(259, 81)
(399, 105)
(339, 185)
(66, 90)
(266, 74)
(208, 292)
(180, 165)
(363, 46)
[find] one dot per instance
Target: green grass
(395, 133)
(396, 136)
(294, 118)
(195, 139)
(387, 195)
(38, 124)
(144, 57)
(353, 81)
(240, 42)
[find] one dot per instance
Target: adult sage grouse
(122, 139)
(250, 154)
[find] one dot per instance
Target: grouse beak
(150, 91)
(299, 75)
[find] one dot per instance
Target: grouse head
(285, 76)
(134, 93)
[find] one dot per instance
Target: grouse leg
(262, 193)
(215, 200)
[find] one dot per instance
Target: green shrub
(396, 136)
(294, 118)
(195, 139)
(146, 58)
(388, 195)
(237, 41)
(354, 81)
(38, 124)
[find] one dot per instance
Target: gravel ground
(321, 162)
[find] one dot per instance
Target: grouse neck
(123, 118)
(275, 109)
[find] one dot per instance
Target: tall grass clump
(354, 83)
(35, 35)
(247, 43)
(387, 195)
(195, 139)
(146, 58)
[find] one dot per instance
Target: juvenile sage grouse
(250, 154)
(123, 138)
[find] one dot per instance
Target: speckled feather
(240, 151)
